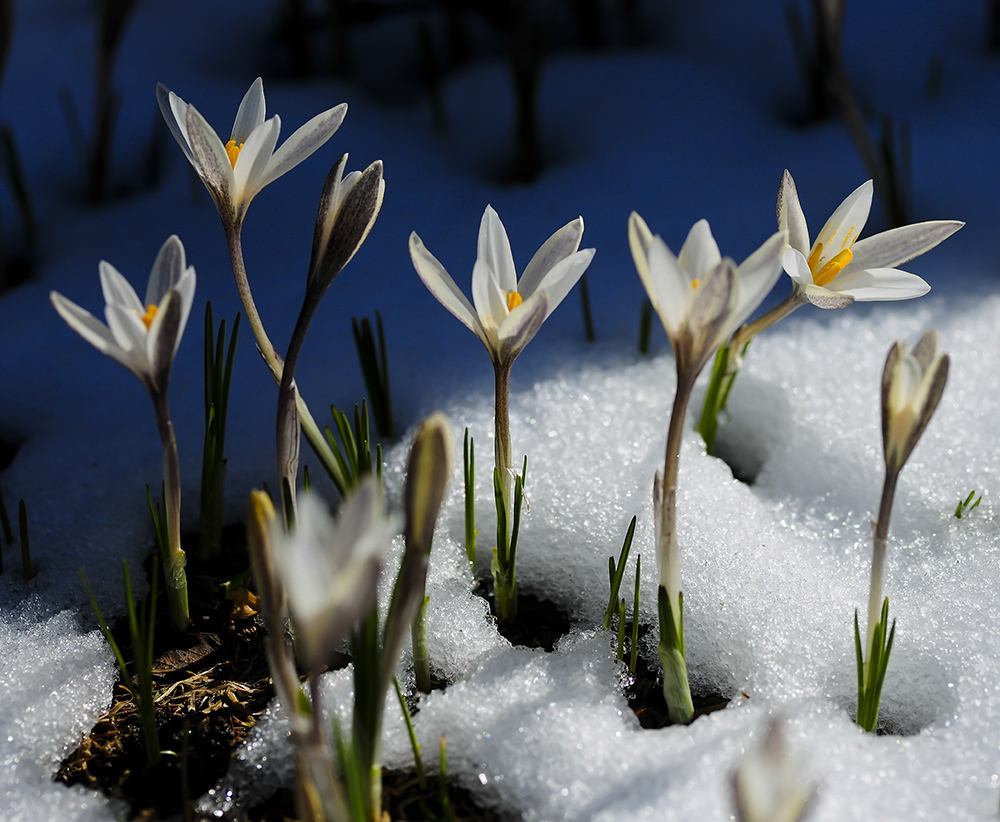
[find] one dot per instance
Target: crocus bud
(912, 383)
(347, 211)
(427, 475)
(259, 523)
(767, 785)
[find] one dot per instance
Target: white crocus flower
(912, 383)
(838, 268)
(690, 292)
(143, 335)
(329, 568)
(506, 312)
(236, 169)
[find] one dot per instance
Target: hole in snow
(747, 436)
(918, 692)
(644, 689)
(540, 622)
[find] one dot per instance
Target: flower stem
(287, 427)
(173, 563)
(421, 655)
(879, 546)
(676, 690)
(274, 364)
(501, 441)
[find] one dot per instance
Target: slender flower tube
(768, 785)
(913, 382)
(348, 209)
(700, 298)
(506, 312)
(831, 272)
(144, 337)
(234, 172)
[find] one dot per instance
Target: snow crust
(771, 573)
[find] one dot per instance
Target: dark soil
(645, 691)
(211, 684)
(540, 623)
(402, 799)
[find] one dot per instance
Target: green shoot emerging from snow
(503, 566)
(218, 376)
(616, 571)
(968, 505)
(871, 671)
(374, 359)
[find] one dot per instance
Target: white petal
(163, 337)
(521, 325)
(254, 157)
(791, 218)
(906, 378)
(757, 275)
(825, 298)
(90, 328)
(640, 238)
(443, 287)
(872, 284)
(668, 287)
(250, 113)
(210, 158)
(303, 142)
(128, 331)
(489, 300)
(563, 276)
(899, 245)
(556, 248)
(185, 288)
(174, 111)
(168, 267)
(494, 251)
(796, 267)
(847, 222)
(117, 290)
(700, 253)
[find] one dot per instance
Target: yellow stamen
(695, 282)
(233, 150)
(147, 318)
(828, 273)
(814, 258)
(513, 300)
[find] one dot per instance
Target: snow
(771, 573)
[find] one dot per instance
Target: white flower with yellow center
(329, 568)
(700, 297)
(838, 268)
(143, 335)
(235, 170)
(506, 312)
